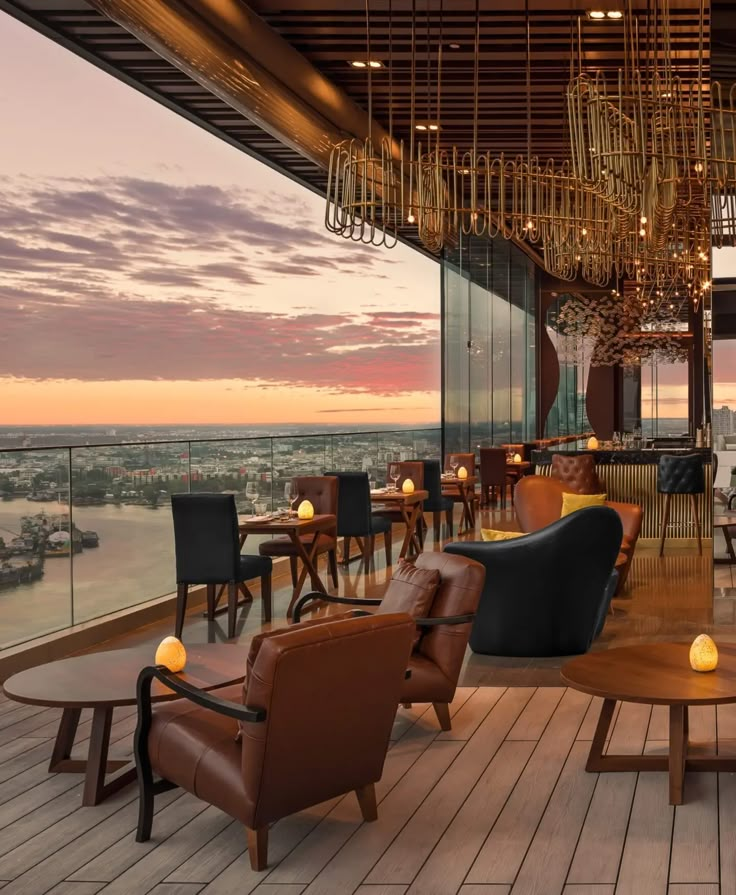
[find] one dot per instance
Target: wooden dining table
(466, 489)
(410, 506)
(294, 528)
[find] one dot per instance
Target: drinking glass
(293, 498)
(393, 473)
(288, 494)
(372, 484)
(454, 463)
(251, 492)
(616, 441)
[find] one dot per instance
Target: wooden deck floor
(501, 804)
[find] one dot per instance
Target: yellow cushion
(572, 502)
(491, 534)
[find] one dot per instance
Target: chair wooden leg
(258, 847)
(182, 591)
(665, 520)
(436, 523)
(696, 520)
(293, 567)
(442, 710)
(210, 602)
(346, 550)
(367, 801)
(266, 598)
(387, 545)
(502, 489)
(332, 560)
(232, 608)
(420, 529)
(367, 552)
(448, 519)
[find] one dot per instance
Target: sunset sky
(153, 274)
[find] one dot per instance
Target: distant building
(723, 421)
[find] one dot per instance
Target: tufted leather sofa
(329, 710)
(539, 503)
(577, 473)
(321, 491)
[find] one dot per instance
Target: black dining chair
(207, 547)
(436, 503)
(680, 474)
(355, 520)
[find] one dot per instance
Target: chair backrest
(432, 477)
(330, 709)
(461, 585)
(320, 490)
(409, 469)
(492, 466)
(546, 593)
(538, 503)
(577, 473)
(353, 503)
(466, 460)
(206, 542)
(680, 474)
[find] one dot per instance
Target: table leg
(678, 751)
(729, 545)
(95, 787)
(308, 568)
(410, 516)
(595, 756)
(61, 759)
(467, 515)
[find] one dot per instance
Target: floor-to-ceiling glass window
(489, 331)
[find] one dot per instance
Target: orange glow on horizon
(222, 402)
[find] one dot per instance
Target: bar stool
(680, 474)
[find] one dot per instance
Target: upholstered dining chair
(355, 520)
(463, 460)
(493, 475)
(441, 593)
(546, 593)
(207, 550)
(435, 503)
(322, 492)
(311, 721)
(577, 473)
(408, 469)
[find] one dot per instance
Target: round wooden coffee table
(102, 682)
(655, 674)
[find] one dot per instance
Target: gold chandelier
(633, 201)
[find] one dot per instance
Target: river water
(133, 563)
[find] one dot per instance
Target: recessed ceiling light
(420, 127)
(596, 14)
(375, 63)
(615, 14)
(434, 127)
(454, 46)
(360, 63)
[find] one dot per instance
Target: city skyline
(155, 274)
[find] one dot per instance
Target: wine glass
(454, 463)
(251, 492)
(616, 441)
(372, 484)
(289, 490)
(293, 498)
(393, 473)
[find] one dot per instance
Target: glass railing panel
(121, 510)
(297, 456)
(35, 544)
(427, 444)
(358, 452)
(241, 467)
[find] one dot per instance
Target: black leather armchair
(547, 593)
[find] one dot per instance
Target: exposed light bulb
(410, 218)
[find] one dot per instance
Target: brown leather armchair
(311, 722)
(437, 657)
(321, 491)
(539, 503)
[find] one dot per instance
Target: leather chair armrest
(444, 620)
(193, 694)
(318, 596)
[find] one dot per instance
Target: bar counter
(630, 476)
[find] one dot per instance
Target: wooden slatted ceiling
(330, 32)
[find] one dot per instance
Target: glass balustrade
(86, 531)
